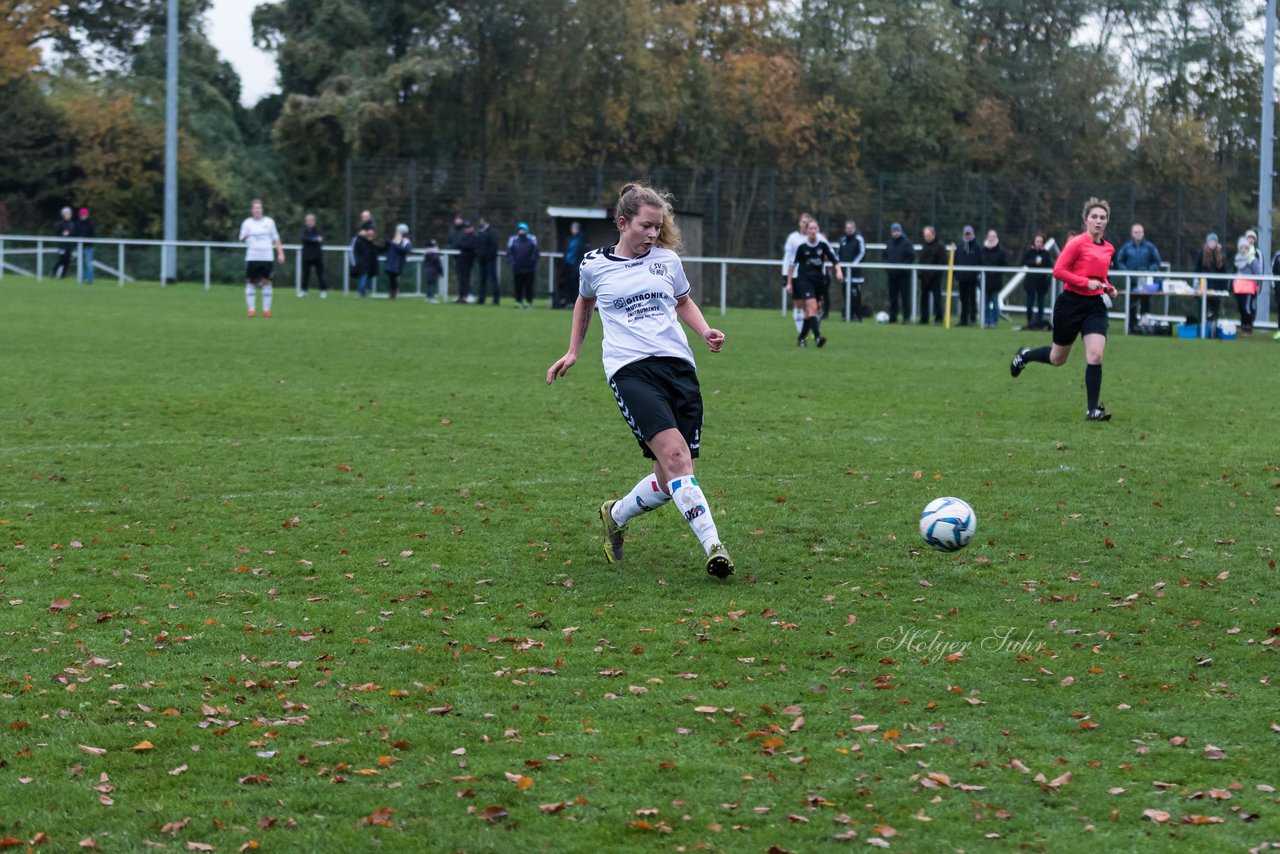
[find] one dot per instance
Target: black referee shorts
(1076, 314)
(659, 393)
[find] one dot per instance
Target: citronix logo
(619, 303)
(644, 297)
(657, 268)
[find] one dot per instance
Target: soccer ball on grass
(882, 317)
(948, 523)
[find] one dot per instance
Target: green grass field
(333, 581)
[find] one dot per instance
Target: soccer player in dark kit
(807, 274)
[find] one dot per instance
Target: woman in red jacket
(1082, 309)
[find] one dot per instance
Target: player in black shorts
(1082, 309)
(640, 291)
(805, 278)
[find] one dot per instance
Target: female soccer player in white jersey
(639, 287)
(259, 235)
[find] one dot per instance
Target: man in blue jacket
(522, 252)
(1139, 255)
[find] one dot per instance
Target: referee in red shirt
(1082, 309)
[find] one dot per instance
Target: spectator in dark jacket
(465, 243)
(932, 253)
(522, 252)
(64, 227)
(899, 251)
(1037, 258)
(487, 256)
(432, 271)
(462, 237)
(851, 251)
(992, 254)
(312, 256)
(84, 227)
(968, 254)
(364, 260)
(1211, 259)
(575, 248)
(397, 254)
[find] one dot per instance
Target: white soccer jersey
(636, 300)
(259, 236)
(794, 239)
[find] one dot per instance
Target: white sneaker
(324, 295)
(301, 294)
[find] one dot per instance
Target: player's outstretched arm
(688, 311)
(582, 311)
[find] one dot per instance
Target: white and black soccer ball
(948, 523)
(882, 317)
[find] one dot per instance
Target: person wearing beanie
(522, 252)
(1244, 286)
(85, 228)
(898, 250)
(1081, 311)
(968, 254)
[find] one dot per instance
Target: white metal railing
(16, 248)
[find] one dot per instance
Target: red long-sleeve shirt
(1082, 260)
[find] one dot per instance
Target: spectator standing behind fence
(1037, 258)
(933, 254)
(968, 254)
(487, 256)
(64, 227)
(522, 252)
(397, 254)
(466, 261)
(259, 235)
(1211, 259)
(575, 248)
(1141, 256)
(1244, 285)
(794, 239)
(992, 254)
(364, 259)
(851, 251)
(84, 227)
(312, 256)
(899, 251)
(432, 271)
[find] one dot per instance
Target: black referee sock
(1092, 384)
(815, 321)
(1039, 354)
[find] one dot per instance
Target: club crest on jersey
(657, 268)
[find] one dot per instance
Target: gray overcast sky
(232, 34)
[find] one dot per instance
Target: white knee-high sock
(798, 314)
(688, 496)
(644, 496)
(266, 297)
(249, 293)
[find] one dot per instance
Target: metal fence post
(724, 287)
(120, 263)
(206, 268)
(39, 260)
